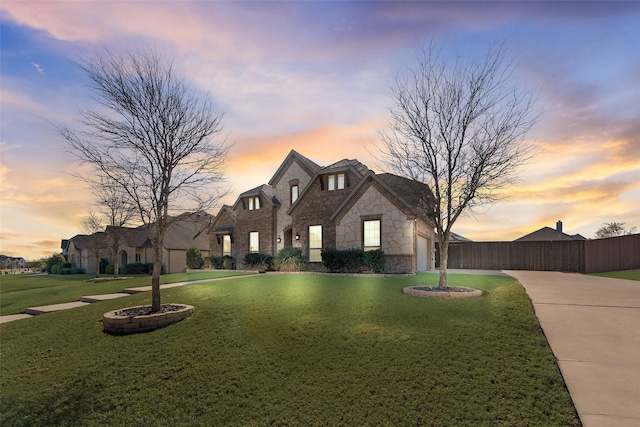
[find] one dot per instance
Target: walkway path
(593, 327)
(34, 311)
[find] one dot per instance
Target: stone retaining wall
(120, 325)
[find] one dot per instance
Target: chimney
(559, 226)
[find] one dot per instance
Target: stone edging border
(121, 325)
(472, 293)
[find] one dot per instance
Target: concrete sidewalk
(86, 300)
(593, 327)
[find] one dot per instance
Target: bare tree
(613, 229)
(116, 208)
(96, 239)
(155, 137)
(459, 128)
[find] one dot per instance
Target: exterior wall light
(297, 236)
(279, 239)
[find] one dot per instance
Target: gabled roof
(548, 234)
(345, 164)
(309, 166)
(84, 241)
(188, 231)
(265, 190)
(217, 226)
(409, 196)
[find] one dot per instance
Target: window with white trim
(294, 193)
(371, 234)
(340, 181)
(254, 203)
(331, 183)
(315, 243)
(226, 245)
(254, 242)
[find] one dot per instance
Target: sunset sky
(315, 77)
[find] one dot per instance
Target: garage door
(423, 253)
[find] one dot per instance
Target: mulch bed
(447, 289)
(145, 311)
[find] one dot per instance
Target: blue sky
(315, 77)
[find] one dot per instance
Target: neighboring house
(548, 234)
(343, 205)
(85, 251)
(186, 231)
(12, 263)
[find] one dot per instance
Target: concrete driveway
(593, 327)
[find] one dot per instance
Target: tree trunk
(444, 258)
(155, 278)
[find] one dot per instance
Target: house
(9, 263)
(186, 231)
(85, 251)
(343, 205)
(548, 234)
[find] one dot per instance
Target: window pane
(294, 193)
(340, 181)
(332, 182)
(226, 245)
(372, 234)
(315, 243)
(254, 239)
(257, 203)
(250, 203)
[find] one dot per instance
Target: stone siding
(283, 193)
(396, 229)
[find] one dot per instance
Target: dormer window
(294, 193)
(335, 182)
(254, 203)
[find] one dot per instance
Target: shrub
(229, 262)
(258, 261)
(290, 259)
(345, 260)
(223, 262)
(102, 267)
(375, 260)
(139, 268)
(217, 262)
(109, 269)
(71, 270)
(195, 260)
(55, 269)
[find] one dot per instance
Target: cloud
(38, 68)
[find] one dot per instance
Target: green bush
(228, 262)
(343, 261)
(258, 261)
(103, 266)
(72, 270)
(290, 259)
(55, 269)
(139, 268)
(375, 260)
(195, 260)
(110, 269)
(217, 262)
(222, 262)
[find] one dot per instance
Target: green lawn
(292, 350)
(20, 291)
(624, 274)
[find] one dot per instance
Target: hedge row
(353, 260)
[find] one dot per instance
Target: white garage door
(423, 253)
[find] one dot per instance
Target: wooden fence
(580, 256)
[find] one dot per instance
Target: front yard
(292, 350)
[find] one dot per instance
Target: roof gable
(267, 192)
(307, 165)
(548, 234)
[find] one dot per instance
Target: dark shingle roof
(548, 234)
(360, 168)
(414, 194)
(266, 189)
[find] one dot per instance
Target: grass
(292, 350)
(624, 274)
(20, 291)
